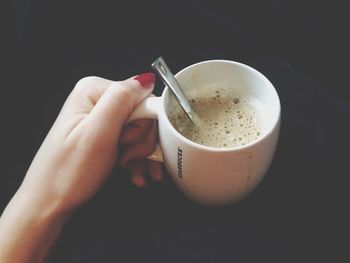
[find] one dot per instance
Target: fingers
(136, 147)
(137, 170)
(89, 90)
(155, 170)
(86, 94)
(118, 101)
(139, 141)
(100, 107)
(140, 149)
(142, 171)
(136, 130)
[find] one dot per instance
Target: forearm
(28, 230)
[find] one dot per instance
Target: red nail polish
(146, 79)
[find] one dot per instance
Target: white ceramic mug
(208, 175)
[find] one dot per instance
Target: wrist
(28, 228)
(38, 205)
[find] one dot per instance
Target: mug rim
(266, 134)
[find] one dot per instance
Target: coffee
(227, 118)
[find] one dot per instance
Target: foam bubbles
(227, 119)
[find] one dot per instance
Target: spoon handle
(168, 78)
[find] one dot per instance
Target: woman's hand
(87, 139)
(89, 136)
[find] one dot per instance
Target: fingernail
(146, 79)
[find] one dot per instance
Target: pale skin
(88, 139)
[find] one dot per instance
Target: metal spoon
(168, 78)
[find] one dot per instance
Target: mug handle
(148, 109)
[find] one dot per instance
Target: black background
(298, 212)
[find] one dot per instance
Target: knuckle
(86, 83)
(88, 80)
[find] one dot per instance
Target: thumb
(116, 104)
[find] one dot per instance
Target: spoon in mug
(169, 80)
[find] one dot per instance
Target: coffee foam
(227, 118)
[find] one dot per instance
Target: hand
(82, 147)
(85, 141)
